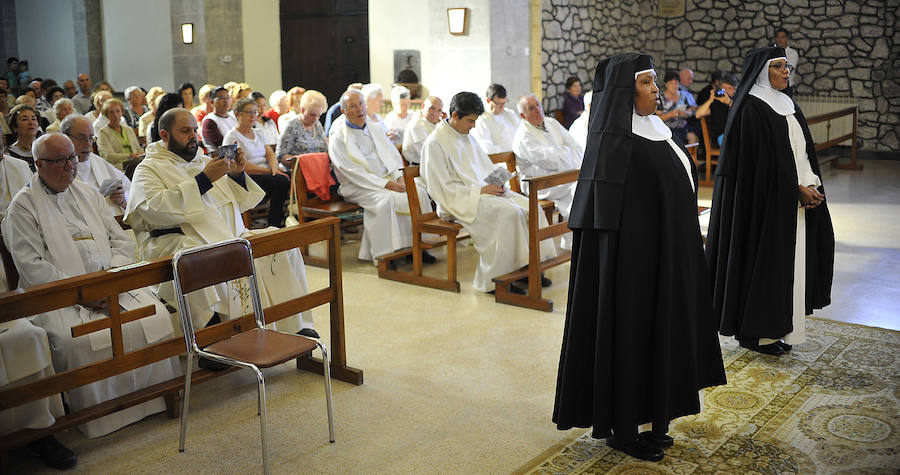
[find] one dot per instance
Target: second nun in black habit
(640, 339)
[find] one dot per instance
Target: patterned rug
(830, 406)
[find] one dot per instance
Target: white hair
(60, 103)
(520, 104)
(369, 91)
(276, 97)
(129, 90)
(399, 92)
(346, 97)
(39, 147)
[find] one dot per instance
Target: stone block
(842, 84)
(567, 24)
(753, 6)
(871, 31)
(772, 10)
(851, 6)
(880, 50)
(861, 74)
(866, 132)
(848, 21)
(866, 105)
(890, 89)
(798, 3)
(683, 31)
(834, 11)
(823, 84)
(835, 51)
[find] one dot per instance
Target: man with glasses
(217, 124)
(57, 228)
(496, 127)
(94, 169)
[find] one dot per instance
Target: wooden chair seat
(330, 208)
(263, 348)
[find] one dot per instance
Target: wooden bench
(509, 159)
(23, 303)
(830, 142)
(448, 232)
(536, 234)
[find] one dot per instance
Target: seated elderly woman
(97, 99)
(675, 109)
(136, 106)
(294, 95)
(397, 119)
(278, 105)
(61, 109)
(305, 134)
(153, 96)
(116, 142)
(374, 99)
(264, 125)
(261, 164)
(23, 120)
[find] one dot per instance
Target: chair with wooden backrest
(449, 234)
(509, 158)
(255, 348)
(711, 151)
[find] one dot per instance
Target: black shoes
(784, 346)
(661, 441)
(52, 453)
(545, 282)
(426, 258)
(638, 448)
(773, 349)
(309, 332)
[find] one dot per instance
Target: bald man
(82, 100)
(418, 129)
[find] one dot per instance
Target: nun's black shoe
(784, 346)
(638, 448)
(309, 332)
(545, 282)
(661, 441)
(52, 453)
(770, 349)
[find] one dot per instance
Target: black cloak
(640, 338)
(753, 223)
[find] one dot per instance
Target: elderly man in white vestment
(421, 126)
(56, 228)
(455, 167)
(93, 169)
(181, 198)
(543, 147)
(368, 168)
(496, 126)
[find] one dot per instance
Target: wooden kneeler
(449, 233)
(536, 234)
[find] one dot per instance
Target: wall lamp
(458, 20)
(187, 33)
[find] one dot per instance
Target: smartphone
(720, 93)
(228, 152)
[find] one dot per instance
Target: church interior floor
(454, 383)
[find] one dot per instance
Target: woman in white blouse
(261, 164)
(264, 126)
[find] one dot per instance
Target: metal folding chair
(215, 263)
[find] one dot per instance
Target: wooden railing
(830, 142)
(22, 303)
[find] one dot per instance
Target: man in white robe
(420, 128)
(495, 127)
(542, 147)
(181, 198)
(58, 228)
(368, 168)
(579, 129)
(94, 169)
(455, 167)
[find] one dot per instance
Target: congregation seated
(294, 97)
(23, 120)
(135, 108)
(181, 198)
(82, 100)
(716, 105)
(116, 142)
(97, 100)
(154, 95)
(542, 147)
(205, 106)
(396, 120)
(368, 168)
(277, 105)
(93, 169)
(264, 125)
(573, 102)
(374, 100)
(70, 89)
(579, 129)
(61, 109)
(675, 109)
(220, 121)
(685, 80)
(304, 134)
(43, 102)
(57, 228)
(261, 163)
(454, 168)
(420, 127)
(28, 99)
(496, 126)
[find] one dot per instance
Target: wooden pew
(449, 234)
(536, 234)
(509, 159)
(22, 303)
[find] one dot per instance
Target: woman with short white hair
(397, 119)
(135, 108)
(374, 96)
(304, 134)
(97, 99)
(62, 108)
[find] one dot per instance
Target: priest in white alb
(543, 147)
(58, 228)
(181, 198)
(422, 125)
(368, 168)
(496, 126)
(455, 167)
(93, 169)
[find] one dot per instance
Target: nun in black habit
(770, 247)
(640, 338)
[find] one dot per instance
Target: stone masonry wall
(847, 47)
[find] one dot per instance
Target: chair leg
(258, 402)
(262, 418)
(329, 404)
(187, 399)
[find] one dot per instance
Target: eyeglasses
(61, 162)
(780, 66)
(84, 138)
(250, 112)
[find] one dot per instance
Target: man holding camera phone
(716, 105)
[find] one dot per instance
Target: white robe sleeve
(246, 198)
(22, 236)
(354, 172)
(482, 133)
(121, 245)
(166, 207)
(453, 194)
(531, 152)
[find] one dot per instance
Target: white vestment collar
(651, 127)
(777, 100)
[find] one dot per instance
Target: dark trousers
(277, 188)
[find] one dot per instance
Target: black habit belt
(164, 231)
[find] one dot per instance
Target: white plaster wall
(137, 43)
(50, 52)
(261, 27)
(510, 34)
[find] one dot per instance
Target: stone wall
(847, 48)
